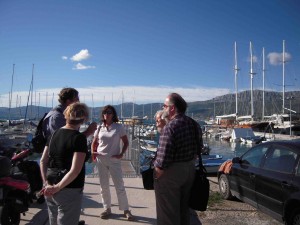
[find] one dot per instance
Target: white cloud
(82, 55)
(98, 96)
(64, 57)
(254, 59)
(80, 66)
(276, 58)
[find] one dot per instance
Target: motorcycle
(29, 170)
(13, 195)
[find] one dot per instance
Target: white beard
(159, 129)
(165, 114)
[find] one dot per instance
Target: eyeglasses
(108, 112)
(166, 106)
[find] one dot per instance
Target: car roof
(295, 143)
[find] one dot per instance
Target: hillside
(200, 110)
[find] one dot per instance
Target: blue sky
(143, 50)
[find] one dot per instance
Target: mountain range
(199, 110)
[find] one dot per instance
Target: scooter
(29, 170)
(13, 195)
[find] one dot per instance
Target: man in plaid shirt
(175, 163)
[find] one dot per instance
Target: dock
(277, 136)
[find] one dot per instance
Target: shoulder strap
(59, 109)
(98, 130)
(40, 124)
(199, 145)
(51, 160)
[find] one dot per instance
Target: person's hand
(118, 156)
(51, 190)
(158, 173)
(91, 129)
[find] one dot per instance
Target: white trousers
(107, 165)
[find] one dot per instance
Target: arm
(43, 163)
(125, 144)
(124, 148)
(77, 163)
(91, 129)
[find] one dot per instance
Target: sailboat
(14, 136)
(284, 121)
(248, 121)
(229, 120)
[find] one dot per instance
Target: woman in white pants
(109, 155)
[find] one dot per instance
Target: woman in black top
(65, 152)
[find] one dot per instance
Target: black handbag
(148, 179)
(200, 190)
(55, 175)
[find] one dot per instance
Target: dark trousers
(172, 192)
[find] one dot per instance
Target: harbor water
(224, 148)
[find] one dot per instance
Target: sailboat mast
(10, 94)
(122, 100)
(283, 76)
(133, 104)
(263, 74)
(251, 77)
(236, 69)
(29, 95)
(92, 111)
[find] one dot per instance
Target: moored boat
(212, 162)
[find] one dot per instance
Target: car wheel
(295, 218)
(224, 187)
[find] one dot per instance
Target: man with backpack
(55, 119)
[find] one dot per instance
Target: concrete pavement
(141, 201)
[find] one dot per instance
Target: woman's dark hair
(110, 107)
(179, 102)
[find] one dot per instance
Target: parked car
(267, 177)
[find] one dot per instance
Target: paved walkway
(141, 201)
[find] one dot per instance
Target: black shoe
(81, 222)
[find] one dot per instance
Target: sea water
(227, 150)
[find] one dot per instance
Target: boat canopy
(241, 132)
(226, 116)
(244, 117)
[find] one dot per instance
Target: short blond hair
(76, 113)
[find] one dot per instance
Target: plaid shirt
(177, 142)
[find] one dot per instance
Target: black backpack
(40, 137)
(39, 140)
